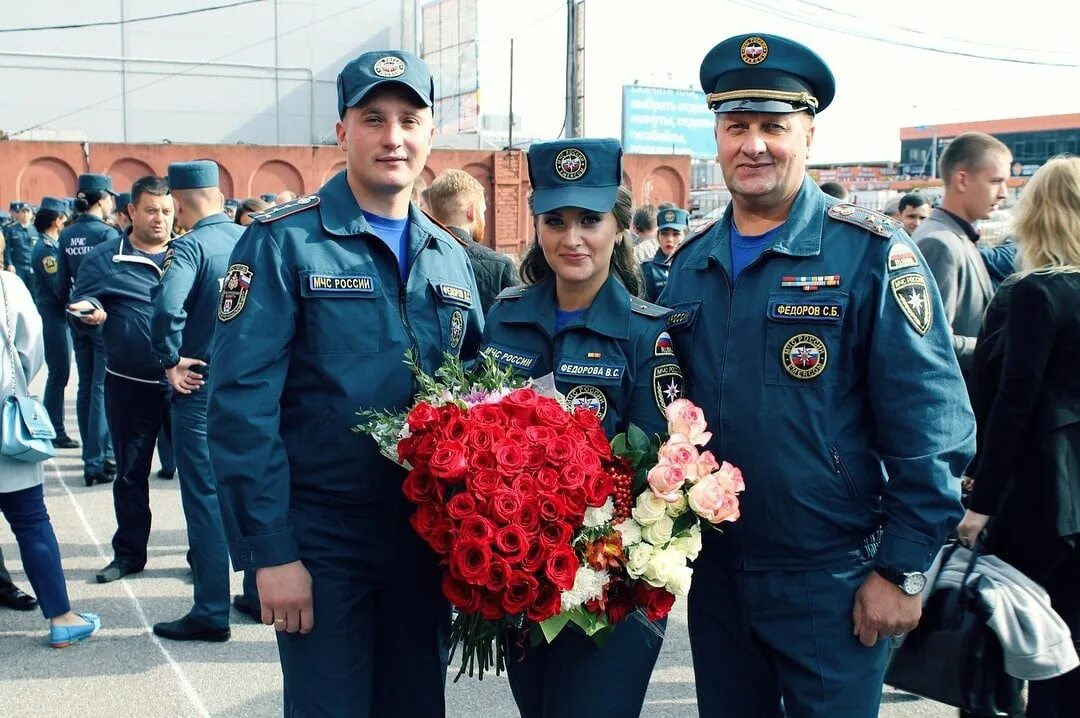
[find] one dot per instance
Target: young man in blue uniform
(95, 201)
(113, 291)
(814, 339)
(323, 297)
(181, 328)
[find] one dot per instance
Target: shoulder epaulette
(648, 309)
(698, 233)
(513, 292)
(443, 227)
(869, 219)
(284, 210)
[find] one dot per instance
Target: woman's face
(244, 219)
(670, 239)
(578, 244)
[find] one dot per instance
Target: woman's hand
(970, 527)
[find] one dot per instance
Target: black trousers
(137, 411)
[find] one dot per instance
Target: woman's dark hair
(534, 266)
(87, 199)
(44, 219)
(249, 206)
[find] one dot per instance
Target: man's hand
(88, 313)
(285, 595)
(883, 610)
(185, 377)
(971, 527)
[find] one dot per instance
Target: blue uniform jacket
(616, 360)
(186, 299)
(115, 278)
(76, 241)
(655, 273)
(312, 327)
(46, 267)
(19, 243)
(844, 406)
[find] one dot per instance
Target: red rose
(561, 566)
(533, 560)
(547, 479)
(442, 539)
(419, 487)
(521, 590)
(572, 476)
(422, 417)
(548, 602)
(551, 413)
(560, 451)
(498, 574)
(461, 506)
(424, 448)
(550, 506)
(510, 457)
(528, 517)
(556, 533)
(618, 599)
(574, 504)
(488, 414)
(482, 461)
(598, 487)
(449, 462)
(505, 504)
(481, 437)
(482, 483)
(587, 459)
(455, 429)
(598, 442)
(448, 412)
(656, 602)
(465, 597)
(520, 402)
(540, 435)
(491, 607)
(524, 485)
(426, 519)
(512, 543)
(477, 528)
(586, 419)
(469, 561)
(535, 456)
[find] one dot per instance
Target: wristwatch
(910, 582)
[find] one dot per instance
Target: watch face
(914, 583)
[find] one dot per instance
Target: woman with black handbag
(1027, 475)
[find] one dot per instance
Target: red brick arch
(46, 177)
(337, 167)
(664, 184)
(126, 170)
(274, 176)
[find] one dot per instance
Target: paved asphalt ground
(126, 671)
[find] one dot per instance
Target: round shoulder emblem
(389, 66)
(804, 356)
(570, 164)
(587, 397)
(754, 50)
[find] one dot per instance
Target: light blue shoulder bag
(26, 432)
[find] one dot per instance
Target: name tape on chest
(510, 357)
(795, 311)
(591, 370)
(455, 294)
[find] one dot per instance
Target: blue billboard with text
(661, 120)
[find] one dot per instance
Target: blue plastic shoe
(64, 636)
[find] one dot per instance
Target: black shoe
(241, 604)
(98, 478)
(116, 570)
(191, 629)
(65, 442)
(110, 467)
(15, 598)
(166, 473)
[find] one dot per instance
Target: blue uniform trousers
(757, 636)
(90, 400)
(29, 519)
(136, 411)
(572, 677)
(378, 648)
(57, 338)
(209, 553)
(166, 451)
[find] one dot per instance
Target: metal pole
(568, 117)
(933, 155)
(277, 77)
(510, 131)
(123, 76)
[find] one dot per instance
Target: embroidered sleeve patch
(168, 259)
(667, 385)
(909, 291)
(234, 292)
(49, 264)
(902, 256)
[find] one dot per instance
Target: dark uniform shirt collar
(609, 313)
(216, 218)
(968, 227)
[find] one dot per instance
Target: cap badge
(570, 164)
(389, 66)
(669, 216)
(754, 50)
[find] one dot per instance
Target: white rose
(630, 531)
(679, 581)
(658, 533)
(688, 542)
(662, 566)
(637, 559)
(677, 507)
(649, 509)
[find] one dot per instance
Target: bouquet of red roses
(531, 511)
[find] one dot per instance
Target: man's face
(23, 216)
(984, 187)
(152, 218)
(386, 139)
(763, 155)
(912, 217)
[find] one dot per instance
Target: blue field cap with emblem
(373, 69)
(232, 203)
(54, 204)
(193, 175)
(580, 172)
(18, 206)
(96, 183)
(672, 219)
(765, 73)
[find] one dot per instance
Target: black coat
(494, 271)
(1027, 403)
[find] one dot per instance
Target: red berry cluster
(621, 496)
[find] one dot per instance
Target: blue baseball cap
(193, 175)
(579, 172)
(765, 73)
(372, 69)
(672, 219)
(18, 206)
(233, 203)
(54, 204)
(95, 183)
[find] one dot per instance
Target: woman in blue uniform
(578, 317)
(671, 223)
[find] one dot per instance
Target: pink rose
(686, 419)
(731, 477)
(666, 480)
(678, 450)
(713, 501)
(706, 464)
